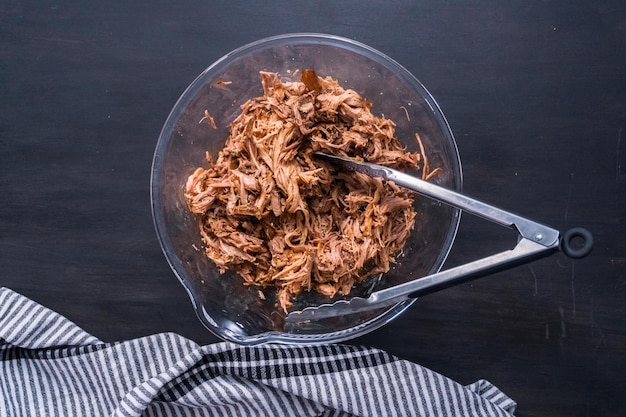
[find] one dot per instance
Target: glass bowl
(235, 312)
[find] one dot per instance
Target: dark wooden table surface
(535, 92)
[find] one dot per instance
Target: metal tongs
(535, 241)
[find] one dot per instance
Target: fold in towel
(51, 367)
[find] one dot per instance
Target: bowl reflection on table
(229, 309)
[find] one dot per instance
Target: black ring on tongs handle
(577, 242)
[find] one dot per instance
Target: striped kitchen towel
(51, 367)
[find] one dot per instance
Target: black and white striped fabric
(51, 367)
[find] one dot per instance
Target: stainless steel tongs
(535, 241)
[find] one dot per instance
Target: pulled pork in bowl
(254, 226)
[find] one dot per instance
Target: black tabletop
(535, 94)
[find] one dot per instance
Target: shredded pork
(280, 218)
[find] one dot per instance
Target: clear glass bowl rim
(187, 96)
